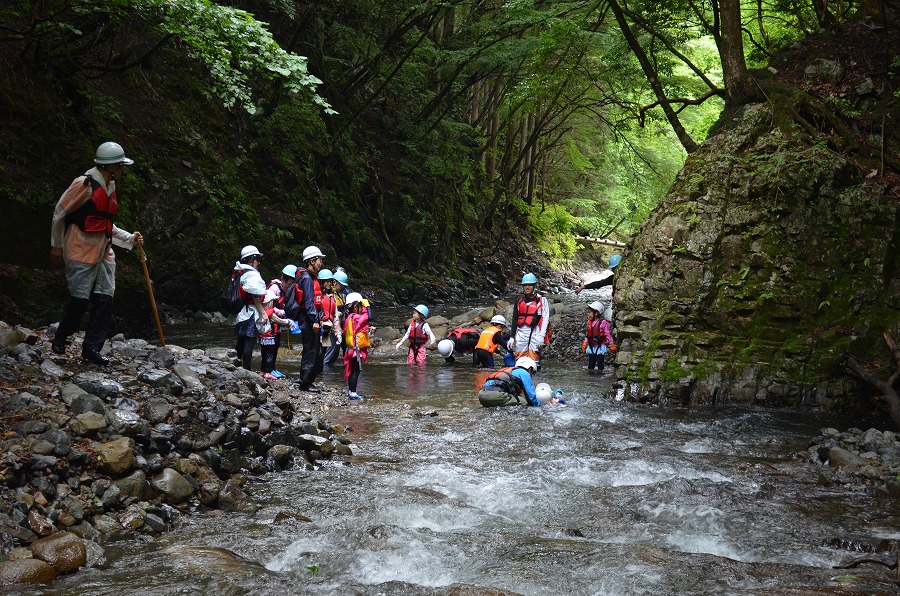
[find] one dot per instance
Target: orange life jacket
(529, 312)
(505, 381)
(486, 339)
(97, 213)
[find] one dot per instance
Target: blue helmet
(289, 271)
(614, 260)
(325, 274)
(422, 310)
(529, 278)
(341, 277)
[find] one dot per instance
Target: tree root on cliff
(887, 388)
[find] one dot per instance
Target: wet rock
(135, 486)
(26, 571)
(232, 498)
(840, 458)
(189, 378)
(157, 409)
(129, 424)
(85, 402)
(88, 424)
(280, 454)
(62, 445)
(99, 385)
(173, 486)
(51, 369)
(39, 524)
(116, 456)
(64, 551)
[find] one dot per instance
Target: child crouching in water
(598, 340)
(356, 338)
(419, 333)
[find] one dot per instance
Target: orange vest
(486, 339)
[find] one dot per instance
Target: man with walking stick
(82, 235)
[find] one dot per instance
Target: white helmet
(543, 392)
(527, 363)
(249, 251)
(352, 298)
(597, 305)
(111, 153)
(498, 320)
(445, 347)
(311, 252)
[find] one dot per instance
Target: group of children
(342, 315)
(343, 324)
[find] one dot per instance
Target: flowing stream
(593, 497)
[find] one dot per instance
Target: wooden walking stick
(143, 256)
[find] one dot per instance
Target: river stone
(135, 485)
(840, 458)
(173, 486)
(116, 456)
(232, 498)
(280, 454)
(88, 424)
(157, 409)
(26, 571)
(307, 442)
(69, 392)
(51, 369)
(62, 444)
(107, 525)
(125, 423)
(86, 402)
(99, 385)
(64, 551)
(189, 377)
(42, 447)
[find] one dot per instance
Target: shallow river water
(593, 497)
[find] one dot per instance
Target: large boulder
(26, 571)
(764, 265)
(64, 551)
(116, 457)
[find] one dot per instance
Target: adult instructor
(82, 235)
(310, 319)
(531, 321)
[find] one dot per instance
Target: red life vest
(97, 213)
(417, 335)
(460, 331)
(317, 294)
(529, 312)
(595, 336)
(328, 307)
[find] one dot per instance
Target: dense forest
(436, 149)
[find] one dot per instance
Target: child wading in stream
(598, 340)
(356, 338)
(419, 334)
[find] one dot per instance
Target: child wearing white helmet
(598, 340)
(356, 338)
(489, 341)
(418, 333)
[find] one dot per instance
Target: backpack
(293, 301)
(233, 298)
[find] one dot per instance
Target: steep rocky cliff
(776, 252)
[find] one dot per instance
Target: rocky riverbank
(89, 454)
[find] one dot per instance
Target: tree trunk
(739, 85)
(689, 144)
